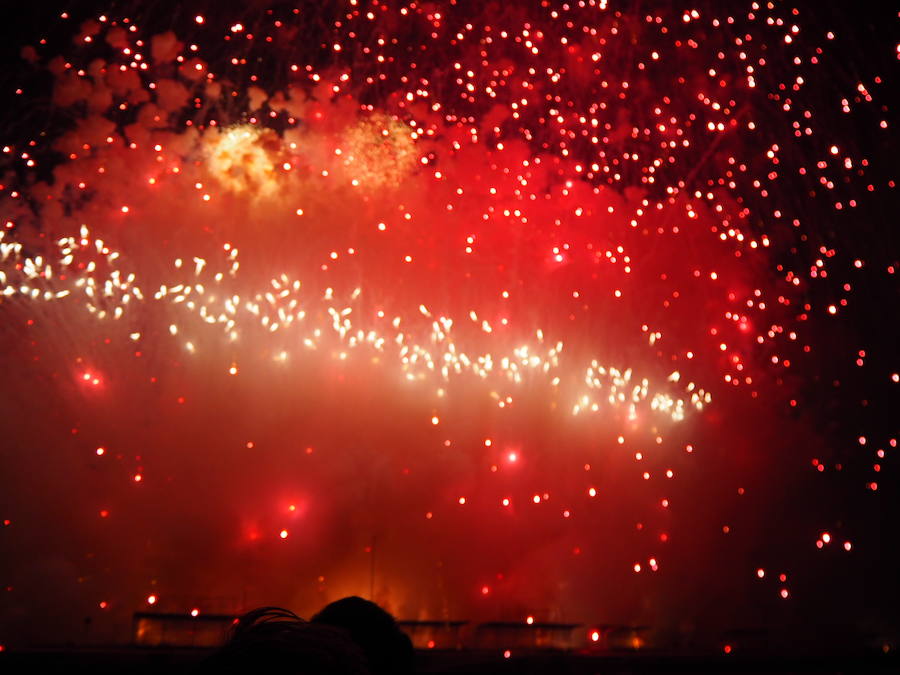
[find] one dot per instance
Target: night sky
(584, 312)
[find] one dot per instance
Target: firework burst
(528, 296)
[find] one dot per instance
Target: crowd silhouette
(351, 636)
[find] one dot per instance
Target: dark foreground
(175, 661)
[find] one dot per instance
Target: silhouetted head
(275, 640)
(387, 649)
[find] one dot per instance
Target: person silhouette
(273, 639)
(387, 649)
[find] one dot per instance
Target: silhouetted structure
(614, 637)
(434, 634)
(157, 629)
(509, 634)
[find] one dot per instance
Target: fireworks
(244, 158)
(497, 272)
